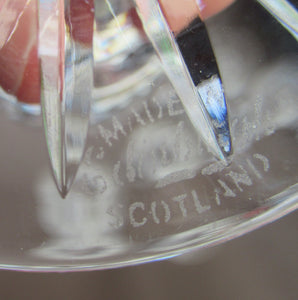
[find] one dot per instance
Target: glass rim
(280, 205)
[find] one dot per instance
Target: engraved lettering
(247, 128)
(228, 191)
(180, 200)
(148, 113)
(138, 118)
(116, 176)
(258, 111)
(100, 155)
(154, 215)
(87, 156)
(160, 113)
(108, 135)
(214, 168)
(94, 185)
(172, 102)
(199, 207)
(130, 170)
(167, 211)
(217, 199)
(240, 178)
(132, 209)
(264, 160)
(253, 168)
(118, 220)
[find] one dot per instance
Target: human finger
(19, 63)
(179, 13)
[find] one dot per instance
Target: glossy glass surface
(148, 186)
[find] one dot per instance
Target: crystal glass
(132, 156)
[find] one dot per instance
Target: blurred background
(260, 265)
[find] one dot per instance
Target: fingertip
(80, 19)
(19, 67)
(209, 8)
(29, 89)
(179, 13)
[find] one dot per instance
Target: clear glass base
(148, 188)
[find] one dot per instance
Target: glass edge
(274, 213)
